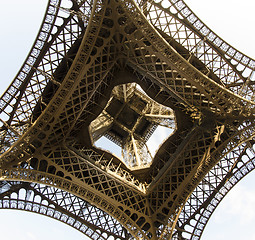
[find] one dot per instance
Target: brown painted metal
(80, 82)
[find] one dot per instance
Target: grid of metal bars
(83, 51)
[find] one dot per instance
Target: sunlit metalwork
(80, 82)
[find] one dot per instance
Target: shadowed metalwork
(120, 70)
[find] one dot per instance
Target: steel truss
(78, 84)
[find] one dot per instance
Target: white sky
(232, 20)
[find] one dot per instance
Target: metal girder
(79, 83)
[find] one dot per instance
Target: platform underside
(120, 69)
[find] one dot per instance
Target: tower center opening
(132, 125)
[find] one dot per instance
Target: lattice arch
(62, 206)
(75, 190)
(212, 190)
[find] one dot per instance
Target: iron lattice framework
(80, 82)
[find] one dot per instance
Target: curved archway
(62, 206)
(213, 188)
(197, 225)
(24, 25)
(25, 225)
(235, 211)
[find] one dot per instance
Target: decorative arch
(89, 187)
(212, 189)
(62, 206)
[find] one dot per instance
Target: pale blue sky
(233, 21)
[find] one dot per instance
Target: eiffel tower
(119, 71)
